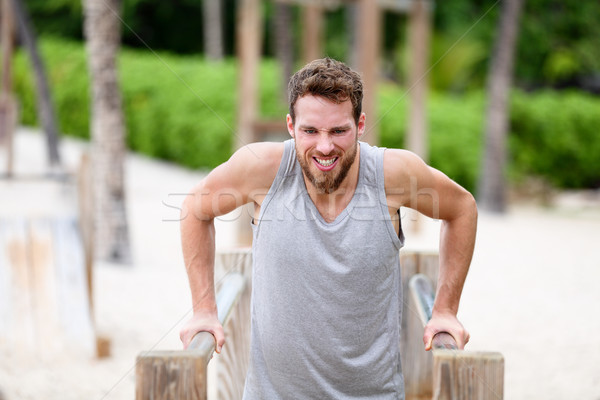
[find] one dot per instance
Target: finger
(428, 340)
(219, 335)
(184, 337)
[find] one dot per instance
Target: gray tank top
(326, 297)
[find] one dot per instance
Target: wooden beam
(419, 27)
(248, 50)
(173, 375)
(417, 377)
(467, 375)
(183, 374)
(312, 32)
(369, 33)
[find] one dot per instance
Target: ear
(290, 125)
(361, 124)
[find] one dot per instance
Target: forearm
(457, 242)
(198, 246)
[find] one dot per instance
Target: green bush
(454, 126)
(181, 108)
(556, 135)
(178, 108)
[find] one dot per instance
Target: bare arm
(247, 175)
(413, 184)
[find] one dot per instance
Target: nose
(325, 144)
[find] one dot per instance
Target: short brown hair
(328, 78)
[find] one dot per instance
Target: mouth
(325, 164)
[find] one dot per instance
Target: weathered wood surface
(228, 370)
(416, 362)
(185, 374)
(174, 375)
(43, 280)
(448, 373)
(465, 375)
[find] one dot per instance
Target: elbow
(192, 206)
(471, 208)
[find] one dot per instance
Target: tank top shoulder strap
(286, 167)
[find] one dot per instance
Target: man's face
(326, 139)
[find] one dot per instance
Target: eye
(339, 131)
(310, 131)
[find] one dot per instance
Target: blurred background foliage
(181, 107)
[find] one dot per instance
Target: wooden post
(184, 374)
(417, 377)
(248, 50)
(417, 84)
(312, 32)
(467, 375)
(174, 375)
(368, 49)
(443, 373)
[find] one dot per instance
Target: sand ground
(532, 292)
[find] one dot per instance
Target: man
(326, 298)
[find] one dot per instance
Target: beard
(328, 181)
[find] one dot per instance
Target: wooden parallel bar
(456, 374)
(416, 361)
(423, 296)
(183, 374)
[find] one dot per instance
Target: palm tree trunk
(492, 185)
(45, 108)
(213, 30)
(103, 34)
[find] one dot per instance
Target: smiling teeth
(326, 163)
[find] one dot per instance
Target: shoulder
(252, 167)
(400, 165)
(258, 158)
(404, 174)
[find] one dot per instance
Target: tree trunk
(102, 32)
(283, 44)
(492, 186)
(8, 107)
(213, 29)
(45, 108)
